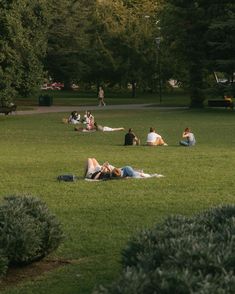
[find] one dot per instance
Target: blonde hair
(116, 172)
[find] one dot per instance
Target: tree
(184, 25)
(23, 28)
(125, 34)
(68, 40)
(221, 39)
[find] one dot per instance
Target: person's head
(116, 172)
(130, 130)
(151, 130)
(187, 130)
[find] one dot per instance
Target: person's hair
(130, 130)
(116, 172)
(152, 130)
(187, 130)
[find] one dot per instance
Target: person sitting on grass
(89, 120)
(131, 138)
(154, 139)
(74, 118)
(189, 139)
(229, 100)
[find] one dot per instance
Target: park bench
(7, 109)
(220, 103)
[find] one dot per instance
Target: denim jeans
(127, 171)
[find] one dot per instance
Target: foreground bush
(182, 255)
(28, 231)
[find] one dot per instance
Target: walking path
(51, 109)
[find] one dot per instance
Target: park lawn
(76, 98)
(99, 217)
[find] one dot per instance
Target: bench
(220, 103)
(7, 109)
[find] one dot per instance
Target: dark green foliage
(28, 231)
(23, 30)
(3, 264)
(182, 255)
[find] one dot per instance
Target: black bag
(67, 178)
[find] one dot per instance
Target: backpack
(67, 178)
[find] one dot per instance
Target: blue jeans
(127, 171)
(184, 143)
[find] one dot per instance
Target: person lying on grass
(99, 128)
(95, 171)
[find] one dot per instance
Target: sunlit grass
(98, 218)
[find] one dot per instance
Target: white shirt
(152, 137)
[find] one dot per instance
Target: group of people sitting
(75, 118)
(88, 122)
(106, 171)
(154, 139)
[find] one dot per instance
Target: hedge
(28, 231)
(181, 255)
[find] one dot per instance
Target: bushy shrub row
(28, 231)
(181, 255)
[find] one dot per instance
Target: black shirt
(129, 137)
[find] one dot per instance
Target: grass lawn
(77, 98)
(99, 217)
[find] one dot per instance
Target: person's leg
(184, 143)
(160, 141)
(128, 171)
(118, 129)
(91, 167)
(95, 162)
(136, 141)
(88, 167)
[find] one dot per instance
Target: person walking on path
(101, 96)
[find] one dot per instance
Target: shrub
(182, 255)
(28, 231)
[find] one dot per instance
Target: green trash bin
(45, 100)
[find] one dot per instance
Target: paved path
(51, 109)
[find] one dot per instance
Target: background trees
(113, 42)
(23, 28)
(200, 37)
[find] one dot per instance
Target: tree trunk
(133, 89)
(196, 86)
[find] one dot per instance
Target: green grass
(98, 218)
(77, 98)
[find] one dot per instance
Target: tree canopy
(114, 42)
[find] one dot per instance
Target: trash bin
(45, 100)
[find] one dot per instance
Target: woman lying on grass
(95, 171)
(99, 128)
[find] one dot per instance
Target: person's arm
(185, 135)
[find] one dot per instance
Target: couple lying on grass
(95, 171)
